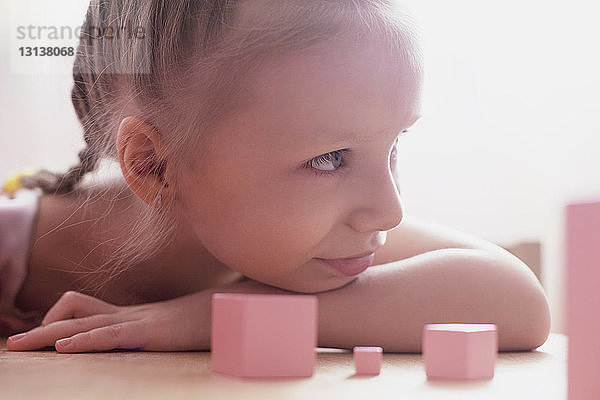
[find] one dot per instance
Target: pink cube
(460, 351)
(583, 299)
(367, 360)
(260, 335)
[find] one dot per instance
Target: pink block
(583, 299)
(367, 360)
(260, 335)
(460, 351)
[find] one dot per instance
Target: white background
(509, 132)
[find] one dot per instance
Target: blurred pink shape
(460, 351)
(260, 335)
(583, 299)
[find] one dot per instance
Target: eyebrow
(354, 138)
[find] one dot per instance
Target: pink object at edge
(583, 299)
(367, 360)
(260, 335)
(460, 351)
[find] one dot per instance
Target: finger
(45, 336)
(76, 305)
(127, 335)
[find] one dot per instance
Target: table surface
(539, 374)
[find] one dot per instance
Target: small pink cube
(460, 351)
(367, 360)
(261, 335)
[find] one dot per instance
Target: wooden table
(539, 374)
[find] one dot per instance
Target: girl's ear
(140, 154)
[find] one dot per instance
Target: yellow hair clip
(13, 183)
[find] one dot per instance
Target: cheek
(257, 225)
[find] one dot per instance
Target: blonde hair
(193, 52)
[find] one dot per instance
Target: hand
(79, 323)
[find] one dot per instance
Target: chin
(318, 286)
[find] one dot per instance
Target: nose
(380, 205)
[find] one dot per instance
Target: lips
(349, 266)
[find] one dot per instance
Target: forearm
(389, 304)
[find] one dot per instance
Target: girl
(257, 142)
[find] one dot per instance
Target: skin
(254, 204)
(70, 239)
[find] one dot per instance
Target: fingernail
(17, 337)
(64, 343)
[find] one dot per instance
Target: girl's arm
(392, 302)
(451, 276)
(386, 306)
(389, 304)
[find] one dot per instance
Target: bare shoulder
(415, 236)
(70, 215)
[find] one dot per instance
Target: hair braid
(60, 183)
(83, 89)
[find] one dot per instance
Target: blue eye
(327, 163)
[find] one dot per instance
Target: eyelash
(326, 157)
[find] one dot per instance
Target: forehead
(336, 86)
